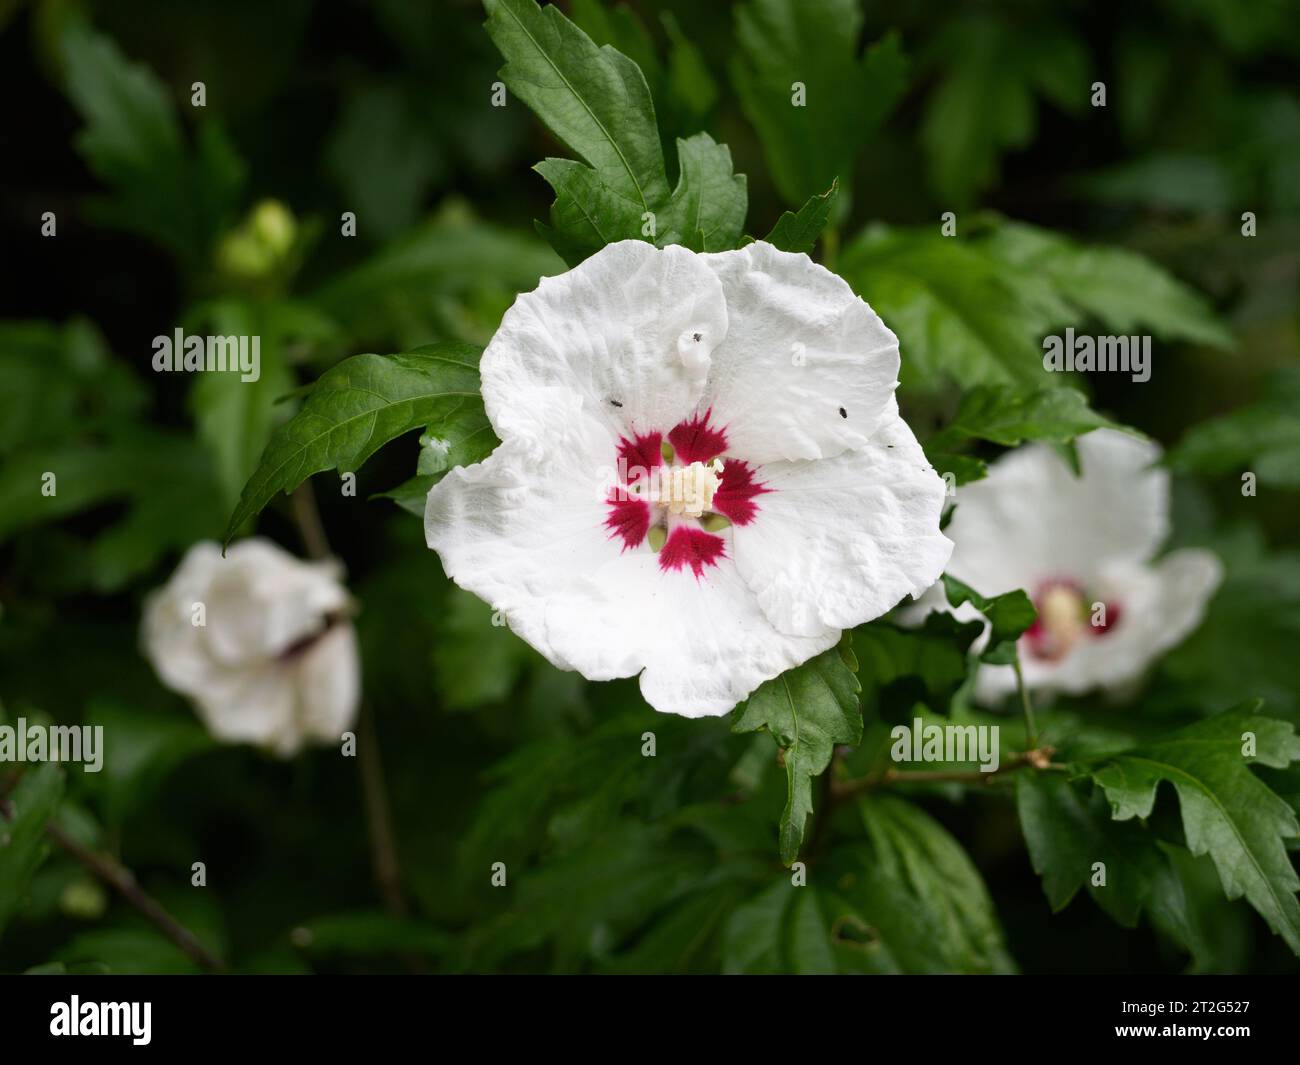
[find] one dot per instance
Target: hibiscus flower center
(675, 495)
(686, 490)
(1065, 617)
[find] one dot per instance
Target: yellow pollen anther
(688, 490)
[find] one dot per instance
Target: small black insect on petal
(697, 338)
(843, 413)
(616, 403)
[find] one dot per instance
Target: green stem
(1031, 728)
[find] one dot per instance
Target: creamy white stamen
(687, 490)
(1064, 619)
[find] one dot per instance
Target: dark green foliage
(950, 166)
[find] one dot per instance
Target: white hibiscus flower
(274, 662)
(703, 477)
(1083, 549)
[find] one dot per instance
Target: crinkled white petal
(800, 349)
(715, 645)
(629, 331)
(1160, 604)
(1033, 520)
(840, 541)
(526, 534)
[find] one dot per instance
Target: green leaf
(476, 661)
(1068, 832)
(411, 495)
(706, 212)
(1164, 181)
(708, 206)
(586, 214)
(974, 310)
(133, 951)
(162, 188)
(1009, 615)
(60, 381)
(589, 893)
(146, 748)
(354, 409)
(963, 468)
(683, 89)
(689, 91)
(1228, 812)
(597, 102)
(681, 942)
(798, 230)
(960, 316)
(461, 436)
(901, 667)
(784, 929)
(367, 934)
(808, 710)
(165, 479)
(1263, 438)
(452, 276)
(1248, 638)
(846, 96)
(1009, 417)
(918, 890)
(1119, 288)
(993, 71)
(383, 156)
(23, 844)
(235, 417)
(619, 27)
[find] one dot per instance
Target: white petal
(329, 685)
(258, 602)
(253, 705)
(261, 600)
(1160, 605)
(527, 535)
(172, 643)
(629, 331)
(714, 645)
(800, 349)
(1033, 520)
(842, 540)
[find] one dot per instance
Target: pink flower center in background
(1065, 617)
(668, 493)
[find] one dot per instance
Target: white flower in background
(1082, 547)
(703, 476)
(274, 662)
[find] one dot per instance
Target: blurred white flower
(259, 640)
(1082, 547)
(703, 476)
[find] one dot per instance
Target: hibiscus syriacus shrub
(789, 589)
